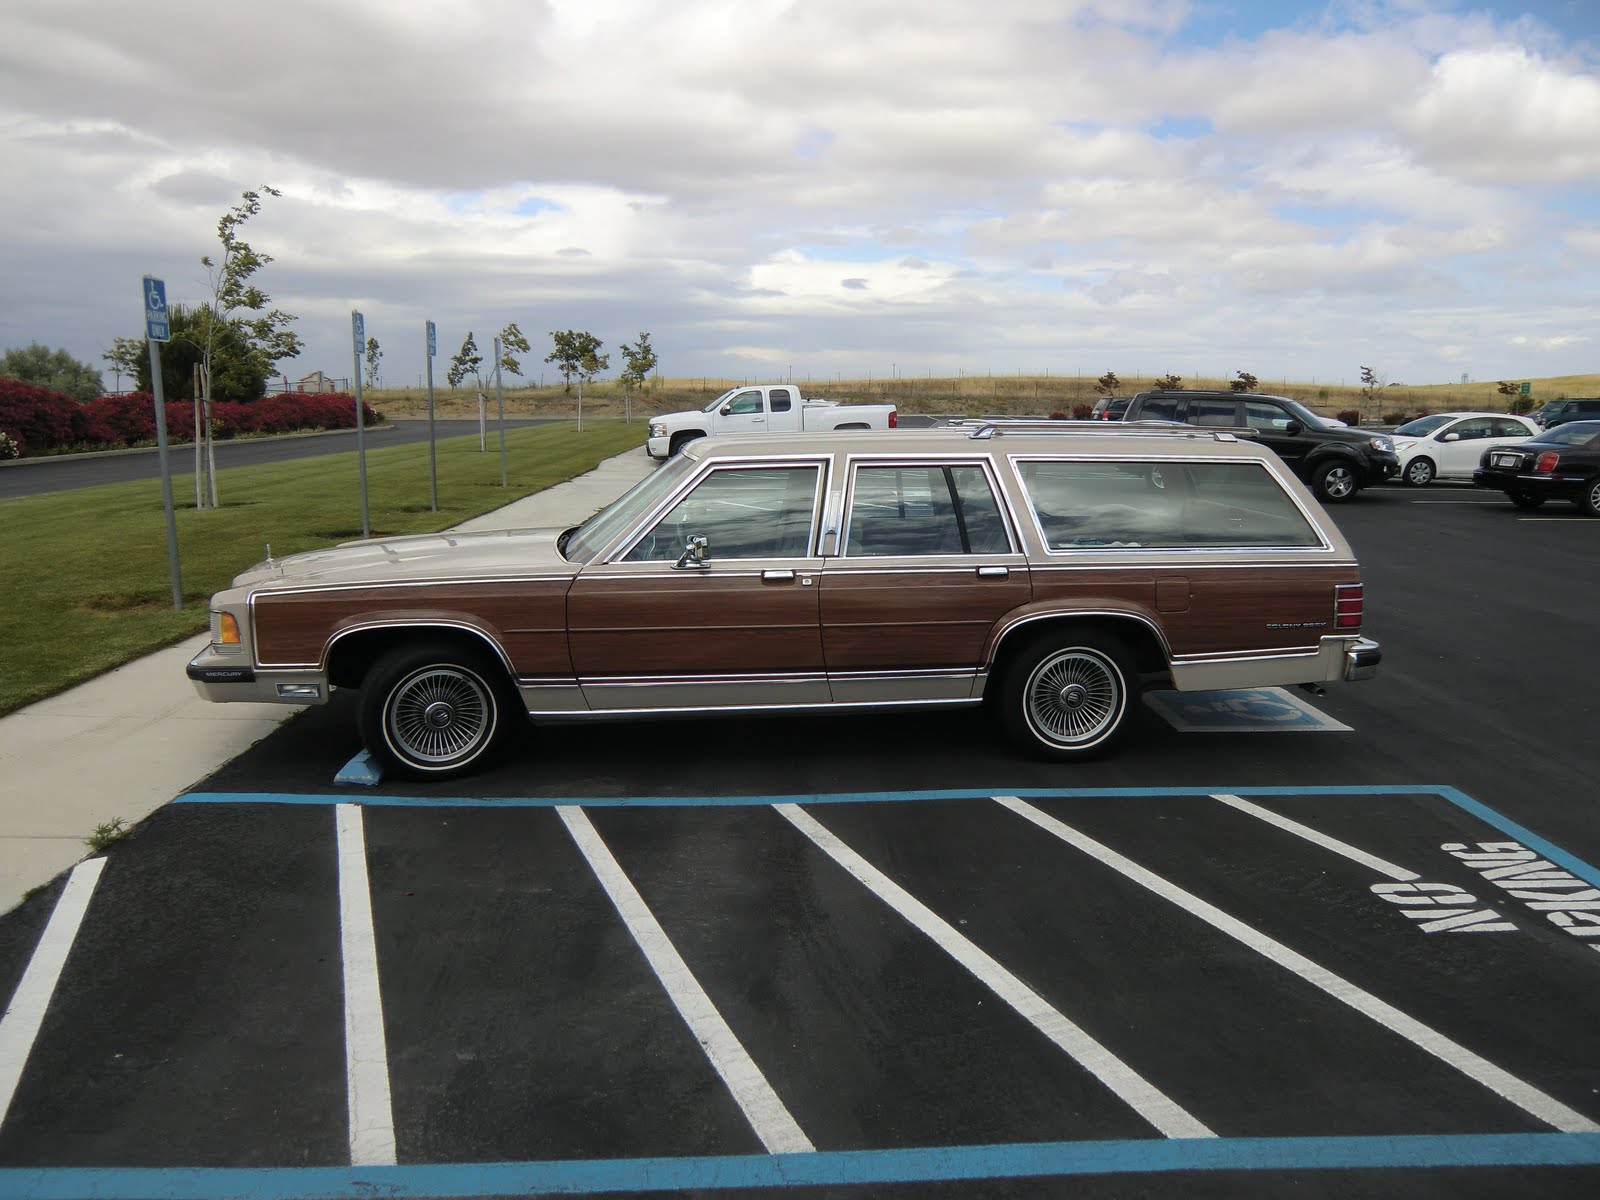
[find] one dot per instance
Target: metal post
(433, 448)
(199, 451)
(166, 474)
(500, 402)
(358, 328)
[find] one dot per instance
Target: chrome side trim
(698, 709)
(1004, 631)
(403, 623)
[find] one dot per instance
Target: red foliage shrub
(1082, 412)
(40, 420)
(1350, 417)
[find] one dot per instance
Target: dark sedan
(1560, 464)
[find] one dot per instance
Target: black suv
(1335, 460)
(1558, 412)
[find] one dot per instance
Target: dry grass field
(970, 395)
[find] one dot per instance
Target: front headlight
(1384, 444)
(658, 429)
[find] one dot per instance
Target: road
(883, 955)
(66, 472)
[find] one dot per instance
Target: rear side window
(1156, 505)
(781, 399)
(1158, 408)
(922, 509)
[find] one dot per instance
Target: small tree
(1108, 384)
(641, 360)
(466, 364)
(1508, 389)
(512, 343)
(1170, 383)
(577, 355)
(54, 369)
(123, 358)
(1246, 382)
(374, 356)
(1371, 384)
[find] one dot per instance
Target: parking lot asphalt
(880, 956)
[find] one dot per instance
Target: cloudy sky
(821, 188)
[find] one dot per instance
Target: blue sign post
(433, 457)
(158, 329)
(358, 330)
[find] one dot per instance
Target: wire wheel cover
(1074, 697)
(439, 714)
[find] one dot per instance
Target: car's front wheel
(1066, 696)
(1525, 499)
(1419, 472)
(1334, 481)
(433, 710)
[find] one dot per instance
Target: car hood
(429, 556)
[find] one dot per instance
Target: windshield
(1574, 433)
(1304, 415)
(719, 401)
(1423, 426)
(586, 542)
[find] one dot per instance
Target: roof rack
(984, 428)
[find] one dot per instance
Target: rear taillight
(894, 418)
(1347, 605)
(1546, 462)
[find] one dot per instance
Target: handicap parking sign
(157, 328)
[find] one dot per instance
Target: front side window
(1156, 505)
(924, 508)
(758, 512)
(744, 404)
(1266, 418)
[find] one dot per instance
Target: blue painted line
(1421, 789)
(922, 1165)
(1527, 837)
(1460, 799)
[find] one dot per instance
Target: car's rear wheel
(1419, 472)
(1065, 696)
(433, 710)
(1334, 481)
(1590, 500)
(1525, 499)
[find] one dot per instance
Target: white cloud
(844, 182)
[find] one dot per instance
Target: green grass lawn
(84, 585)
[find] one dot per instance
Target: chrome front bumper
(229, 678)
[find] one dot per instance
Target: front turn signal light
(227, 630)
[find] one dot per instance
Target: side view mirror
(725, 409)
(1451, 437)
(694, 556)
(1293, 428)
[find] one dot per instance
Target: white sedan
(1449, 445)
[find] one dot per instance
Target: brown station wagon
(1048, 572)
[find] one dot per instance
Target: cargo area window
(1151, 504)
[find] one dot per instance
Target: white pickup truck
(763, 408)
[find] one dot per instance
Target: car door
(929, 562)
(1277, 428)
(731, 623)
(743, 412)
(1457, 447)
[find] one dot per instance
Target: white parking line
(1321, 839)
(19, 1027)
(366, 1051)
(1137, 1092)
(779, 1132)
(1524, 1095)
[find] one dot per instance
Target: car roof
(1002, 435)
(1475, 413)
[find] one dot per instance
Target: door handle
(994, 572)
(783, 575)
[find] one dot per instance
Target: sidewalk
(126, 743)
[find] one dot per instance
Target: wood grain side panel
(527, 620)
(909, 620)
(668, 622)
(1230, 610)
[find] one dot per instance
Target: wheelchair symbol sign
(156, 326)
